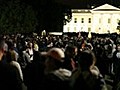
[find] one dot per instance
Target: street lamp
(43, 33)
(89, 34)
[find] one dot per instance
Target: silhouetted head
(87, 60)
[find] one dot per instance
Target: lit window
(74, 29)
(99, 20)
(68, 29)
(109, 20)
(89, 20)
(75, 20)
(89, 29)
(82, 20)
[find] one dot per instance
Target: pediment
(106, 7)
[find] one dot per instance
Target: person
(9, 75)
(12, 59)
(56, 77)
(116, 64)
(27, 55)
(88, 76)
(70, 61)
(34, 72)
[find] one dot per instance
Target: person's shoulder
(8, 70)
(4, 65)
(95, 71)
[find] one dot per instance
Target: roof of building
(81, 10)
(104, 7)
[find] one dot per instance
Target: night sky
(86, 3)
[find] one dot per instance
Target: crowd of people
(35, 62)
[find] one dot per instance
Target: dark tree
(33, 16)
(15, 16)
(51, 15)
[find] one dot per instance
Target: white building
(102, 19)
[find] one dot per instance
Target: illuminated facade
(102, 19)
